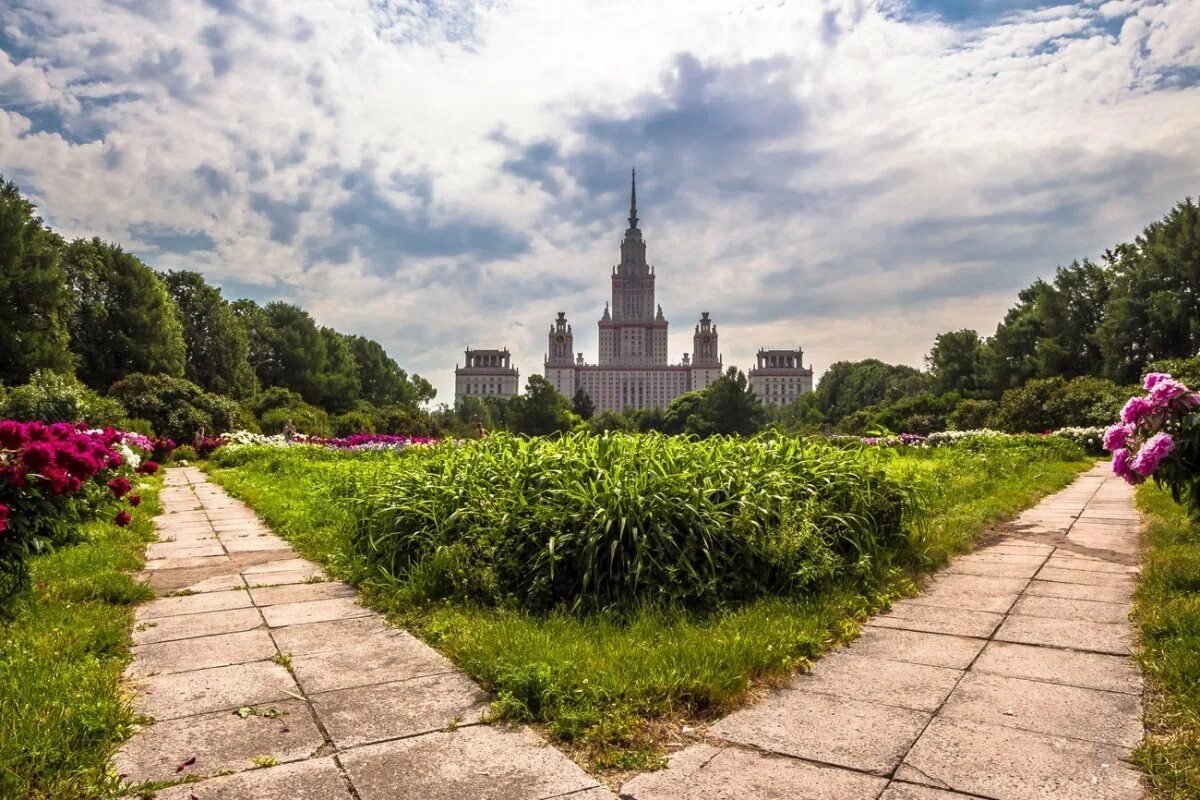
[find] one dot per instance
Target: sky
(845, 176)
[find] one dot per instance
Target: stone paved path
(1008, 679)
(334, 704)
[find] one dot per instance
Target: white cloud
(928, 171)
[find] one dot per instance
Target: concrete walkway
(1010, 678)
(269, 682)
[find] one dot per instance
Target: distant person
(479, 430)
(200, 434)
(289, 432)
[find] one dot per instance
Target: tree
(728, 406)
(681, 414)
(954, 360)
(582, 404)
(176, 407)
(56, 397)
(215, 340)
(286, 348)
(380, 379)
(338, 379)
(472, 409)
(542, 410)
(35, 300)
(125, 321)
(849, 386)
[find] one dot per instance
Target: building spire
(633, 217)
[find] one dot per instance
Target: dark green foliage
(286, 347)
(728, 406)
(920, 413)
(216, 342)
(848, 386)
(176, 407)
(54, 397)
(35, 302)
(1049, 403)
(540, 411)
(588, 521)
(381, 380)
(339, 381)
(125, 321)
(354, 421)
(970, 415)
(582, 404)
(307, 418)
(954, 361)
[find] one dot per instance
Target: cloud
(848, 176)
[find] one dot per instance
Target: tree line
(93, 323)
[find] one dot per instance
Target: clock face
(706, 339)
(560, 338)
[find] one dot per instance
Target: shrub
(590, 521)
(54, 397)
(971, 414)
(353, 422)
(184, 452)
(53, 479)
(1046, 404)
(176, 407)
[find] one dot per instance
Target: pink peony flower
(135, 500)
(148, 468)
(120, 486)
(122, 518)
(1156, 448)
(1135, 409)
(1167, 390)
(1120, 466)
(38, 455)
(1116, 436)
(1155, 378)
(13, 435)
(3, 518)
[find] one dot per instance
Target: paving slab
(387, 659)
(185, 655)
(705, 772)
(1003, 569)
(967, 594)
(481, 761)
(1066, 560)
(934, 649)
(1080, 591)
(897, 790)
(198, 547)
(192, 604)
(285, 577)
(361, 633)
(184, 694)
(1106, 717)
(298, 592)
(868, 737)
(896, 683)
(1062, 608)
(1055, 665)
(255, 544)
(1095, 637)
(994, 761)
(189, 626)
(307, 611)
(280, 565)
(315, 779)
(935, 619)
(367, 714)
(186, 562)
(209, 744)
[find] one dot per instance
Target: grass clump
(62, 652)
(611, 678)
(1167, 610)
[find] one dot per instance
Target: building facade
(633, 370)
(487, 373)
(779, 376)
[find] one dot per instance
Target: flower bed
(56, 477)
(1159, 437)
(357, 441)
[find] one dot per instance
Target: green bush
(307, 419)
(971, 415)
(176, 407)
(185, 452)
(351, 422)
(55, 397)
(1047, 404)
(595, 520)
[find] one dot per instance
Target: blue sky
(850, 177)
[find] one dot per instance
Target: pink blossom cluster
(1142, 440)
(370, 441)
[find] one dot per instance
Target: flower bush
(1090, 439)
(53, 478)
(1159, 437)
(357, 441)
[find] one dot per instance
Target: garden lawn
(62, 651)
(1167, 612)
(618, 686)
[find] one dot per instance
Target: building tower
(706, 356)
(560, 356)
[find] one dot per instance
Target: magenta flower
(122, 518)
(1120, 466)
(1116, 436)
(1167, 390)
(1156, 448)
(3, 518)
(1135, 409)
(1155, 378)
(13, 435)
(120, 486)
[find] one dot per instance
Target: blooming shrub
(357, 441)
(1159, 436)
(53, 478)
(1090, 439)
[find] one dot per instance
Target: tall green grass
(1168, 617)
(63, 712)
(619, 519)
(610, 682)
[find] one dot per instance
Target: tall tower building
(633, 369)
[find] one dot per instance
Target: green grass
(62, 652)
(1167, 611)
(613, 684)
